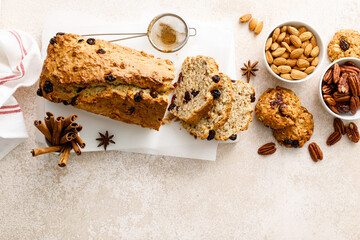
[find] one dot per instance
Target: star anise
(105, 139)
(249, 69)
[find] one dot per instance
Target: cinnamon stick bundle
(38, 151)
(62, 133)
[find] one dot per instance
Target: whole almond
(315, 61)
(296, 74)
(269, 57)
(286, 76)
(315, 51)
(302, 29)
(259, 28)
(309, 70)
(313, 41)
(245, 18)
(278, 52)
(281, 37)
(285, 55)
(268, 44)
(304, 44)
(291, 62)
(284, 69)
(292, 31)
(276, 34)
(283, 29)
(274, 46)
(302, 63)
(274, 68)
(296, 53)
(285, 45)
(295, 41)
(287, 39)
(252, 24)
(305, 36)
(279, 61)
(308, 49)
(298, 68)
(303, 57)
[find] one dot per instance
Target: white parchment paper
(172, 140)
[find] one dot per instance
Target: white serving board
(215, 40)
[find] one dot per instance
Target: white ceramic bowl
(344, 116)
(297, 24)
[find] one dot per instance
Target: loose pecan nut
(334, 109)
(353, 85)
(336, 73)
(267, 149)
(330, 101)
(315, 152)
(353, 132)
(326, 89)
(339, 126)
(341, 97)
(343, 107)
(333, 138)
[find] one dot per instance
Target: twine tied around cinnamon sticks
(62, 134)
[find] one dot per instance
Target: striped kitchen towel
(20, 66)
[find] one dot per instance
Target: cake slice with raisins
(240, 115)
(219, 113)
(108, 79)
(192, 97)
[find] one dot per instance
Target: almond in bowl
(293, 51)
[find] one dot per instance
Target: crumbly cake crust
(105, 78)
(278, 108)
(352, 37)
(298, 134)
(192, 97)
(241, 112)
(218, 114)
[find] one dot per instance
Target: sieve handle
(134, 35)
(194, 34)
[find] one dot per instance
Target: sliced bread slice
(240, 115)
(192, 97)
(219, 113)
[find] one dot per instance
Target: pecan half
(326, 89)
(333, 138)
(328, 76)
(339, 126)
(353, 132)
(353, 105)
(353, 85)
(343, 107)
(330, 101)
(341, 97)
(350, 63)
(315, 152)
(267, 149)
(336, 73)
(334, 109)
(343, 85)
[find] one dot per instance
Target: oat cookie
(345, 43)
(297, 135)
(278, 108)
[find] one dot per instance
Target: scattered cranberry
(138, 96)
(211, 135)
(216, 93)
(48, 87)
(216, 78)
(101, 51)
(91, 41)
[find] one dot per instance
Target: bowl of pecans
(339, 88)
(293, 52)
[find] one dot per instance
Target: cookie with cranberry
(297, 135)
(345, 43)
(278, 108)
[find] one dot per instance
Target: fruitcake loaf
(192, 97)
(108, 79)
(219, 113)
(241, 112)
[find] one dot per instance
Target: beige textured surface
(116, 195)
